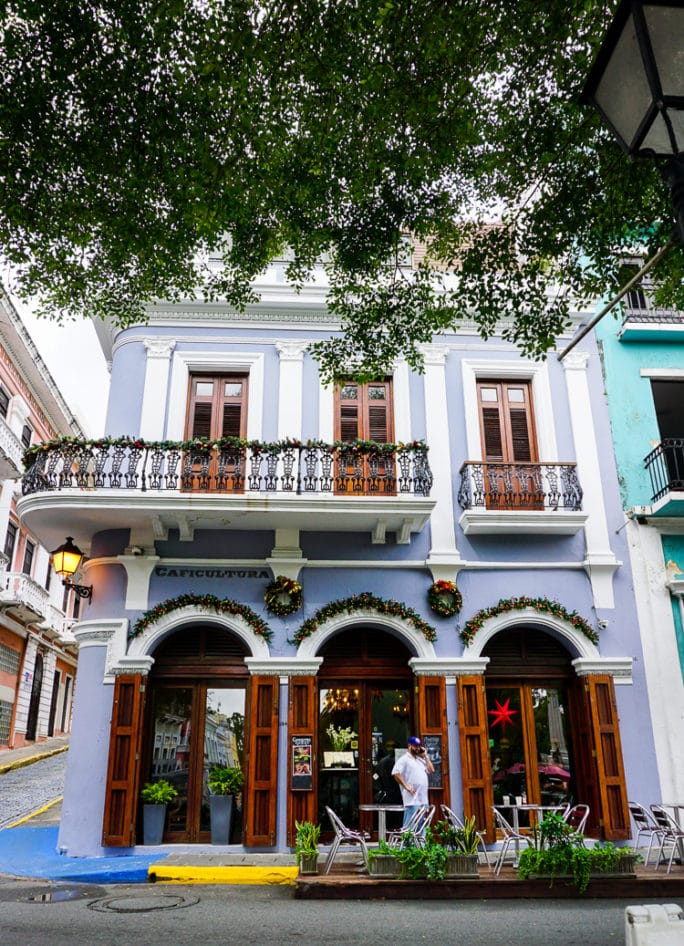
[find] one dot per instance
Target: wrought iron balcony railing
(665, 466)
(530, 486)
(230, 466)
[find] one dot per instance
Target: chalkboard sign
(433, 747)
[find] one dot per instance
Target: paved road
(214, 916)
(23, 791)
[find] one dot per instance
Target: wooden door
(217, 408)
(364, 412)
(432, 726)
(509, 447)
(608, 755)
(262, 762)
(302, 723)
(123, 769)
(475, 767)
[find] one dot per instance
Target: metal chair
(644, 824)
(576, 817)
(671, 833)
(456, 822)
(344, 835)
(510, 836)
(420, 819)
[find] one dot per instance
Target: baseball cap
(414, 741)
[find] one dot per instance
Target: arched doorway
(364, 694)
(195, 718)
(34, 704)
(553, 736)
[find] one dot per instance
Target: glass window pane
(349, 392)
(376, 392)
(224, 735)
(516, 396)
(204, 388)
(171, 753)
(338, 783)
(488, 394)
(232, 389)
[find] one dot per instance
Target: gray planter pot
(221, 813)
(308, 864)
(154, 817)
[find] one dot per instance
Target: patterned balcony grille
(299, 469)
(665, 467)
(536, 486)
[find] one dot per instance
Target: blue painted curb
(32, 852)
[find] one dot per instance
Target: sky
(74, 358)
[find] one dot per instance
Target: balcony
(514, 498)
(23, 598)
(11, 453)
(665, 467)
(644, 322)
(79, 488)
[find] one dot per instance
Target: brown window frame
(363, 474)
(205, 473)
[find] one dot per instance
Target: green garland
(280, 586)
(363, 602)
(444, 598)
(543, 605)
(212, 603)
(217, 443)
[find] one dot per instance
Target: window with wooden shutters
(364, 412)
(217, 408)
(509, 447)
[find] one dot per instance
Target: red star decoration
(503, 714)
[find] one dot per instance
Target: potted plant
(224, 783)
(560, 853)
(306, 846)
(461, 845)
(155, 797)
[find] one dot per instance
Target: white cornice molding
(159, 346)
(620, 668)
(139, 664)
(448, 666)
(284, 666)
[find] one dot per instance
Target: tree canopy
(138, 136)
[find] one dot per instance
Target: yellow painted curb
(34, 814)
(29, 760)
(157, 873)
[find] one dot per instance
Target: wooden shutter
(432, 721)
(302, 720)
(364, 411)
(474, 738)
(217, 406)
(507, 422)
(262, 762)
(608, 754)
(123, 770)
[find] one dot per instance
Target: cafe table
(516, 809)
(678, 816)
(382, 816)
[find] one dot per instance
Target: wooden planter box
(624, 869)
(459, 866)
(462, 866)
(384, 865)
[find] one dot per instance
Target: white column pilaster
(600, 563)
(156, 383)
(444, 560)
(290, 389)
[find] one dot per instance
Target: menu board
(302, 763)
(433, 747)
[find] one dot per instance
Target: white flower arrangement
(340, 738)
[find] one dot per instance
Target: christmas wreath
(444, 598)
(283, 596)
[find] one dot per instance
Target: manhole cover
(144, 904)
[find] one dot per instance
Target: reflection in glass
(224, 733)
(171, 748)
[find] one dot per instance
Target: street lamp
(66, 561)
(637, 86)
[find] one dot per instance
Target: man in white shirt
(411, 772)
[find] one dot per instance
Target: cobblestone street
(26, 789)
